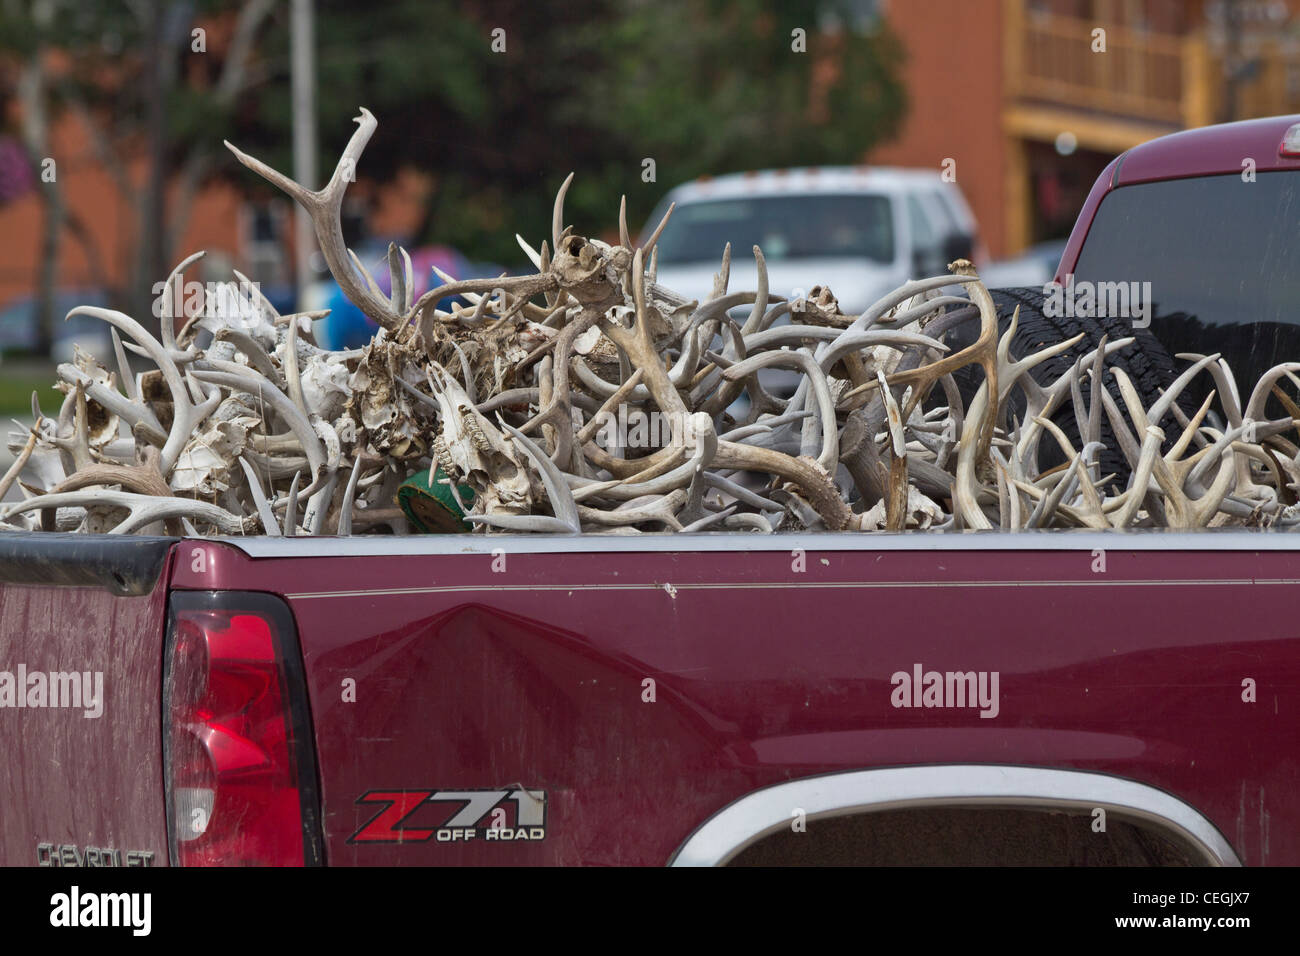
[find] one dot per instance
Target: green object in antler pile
(430, 505)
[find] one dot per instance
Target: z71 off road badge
(453, 816)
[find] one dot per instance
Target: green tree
(700, 86)
(127, 68)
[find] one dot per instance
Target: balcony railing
(1179, 80)
(1273, 87)
(1139, 75)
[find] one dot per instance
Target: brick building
(1032, 102)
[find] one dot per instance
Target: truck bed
(645, 700)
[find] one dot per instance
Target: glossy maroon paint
(1209, 151)
(469, 678)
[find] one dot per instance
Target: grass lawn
(17, 381)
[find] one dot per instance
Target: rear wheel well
(973, 836)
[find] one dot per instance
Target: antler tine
(616, 398)
(753, 323)
(624, 238)
(736, 348)
(349, 497)
(896, 499)
(313, 518)
(840, 344)
(1010, 372)
(685, 367)
(144, 509)
(637, 343)
(1008, 506)
(708, 520)
(1081, 412)
(182, 411)
(167, 331)
(658, 479)
(397, 271)
(533, 255)
(649, 246)
(557, 213)
(908, 290)
(525, 287)
(260, 501)
(1224, 381)
(292, 376)
(1128, 444)
(983, 351)
(802, 360)
(1096, 385)
(20, 462)
(134, 413)
(291, 507)
(123, 366)
(252, 349)
(255, 293)
(807, 474)
(1259, 395)
(965, 488)
(723, 275)
(1004, 496)
(661, 508)
(557, 408)
(324, 208)
(1162, 405)
(1191, 426)
(1044, 401)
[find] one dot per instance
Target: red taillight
(240, 778)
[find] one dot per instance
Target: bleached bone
(865, 442)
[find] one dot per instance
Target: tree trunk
(36, 139)
(151, 267)
(47, 278)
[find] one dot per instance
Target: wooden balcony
(1144, 77)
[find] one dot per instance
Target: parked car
(1035, 266)
(696, 699)
(1179, 249)
(20, 330)
(860, 230)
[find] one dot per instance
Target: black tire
(1147, 363)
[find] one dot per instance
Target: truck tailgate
(82, 621)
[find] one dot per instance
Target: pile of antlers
(513, 394)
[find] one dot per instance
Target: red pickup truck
(709, 698)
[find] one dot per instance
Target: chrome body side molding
(764, 812)
(1235, 539)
